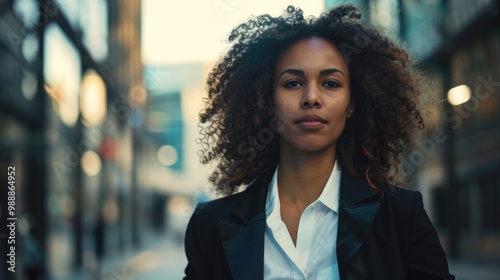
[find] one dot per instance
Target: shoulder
(417, 236)
(405, 207)
(402, 207)
(220, 207)
(239, 207)
(400, 198)
(202, 226)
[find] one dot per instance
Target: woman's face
(311, 95)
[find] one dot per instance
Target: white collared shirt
(315, 255)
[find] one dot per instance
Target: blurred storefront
(72, 120)
(461, 178)
(457, 44)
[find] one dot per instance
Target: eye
(292, 84)
(332, 84)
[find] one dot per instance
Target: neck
(302, 175)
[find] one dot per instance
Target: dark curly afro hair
(239, 134)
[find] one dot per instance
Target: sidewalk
(166, 261)
(163, 258)
(160, 257)
(474, 270)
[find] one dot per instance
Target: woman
(313, 114)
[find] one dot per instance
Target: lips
(310, 121)
(310, 118)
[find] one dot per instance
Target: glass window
(62, 72)
(69, 9)
(94, 26)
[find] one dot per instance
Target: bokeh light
(459, 95)
(91, 163)
(93, 98)
(167, 155)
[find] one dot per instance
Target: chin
(310, 146)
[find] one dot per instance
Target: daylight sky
(180, 32)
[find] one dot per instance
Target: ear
(350, 108)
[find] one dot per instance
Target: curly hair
(239, 134)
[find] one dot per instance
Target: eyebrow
(321, 73)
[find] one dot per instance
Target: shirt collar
(272, 194)
(329, 196)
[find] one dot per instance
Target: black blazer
(390, 239)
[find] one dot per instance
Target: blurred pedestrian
(313, 114)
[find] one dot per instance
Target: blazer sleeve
(197, 267)
(427, 259)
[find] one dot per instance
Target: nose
(311, 97)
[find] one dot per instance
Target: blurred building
(457, 44)
(72, 120)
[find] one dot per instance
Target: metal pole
(450, 173)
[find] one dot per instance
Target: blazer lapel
(357, 209)
(243, 236)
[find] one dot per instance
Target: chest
(311, 255)
(290, 215)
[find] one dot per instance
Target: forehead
(312, 54)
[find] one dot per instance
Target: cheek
(281, 120)
(341, 107)
(278, 112)
(281, 108)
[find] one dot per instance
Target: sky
(185, 32)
